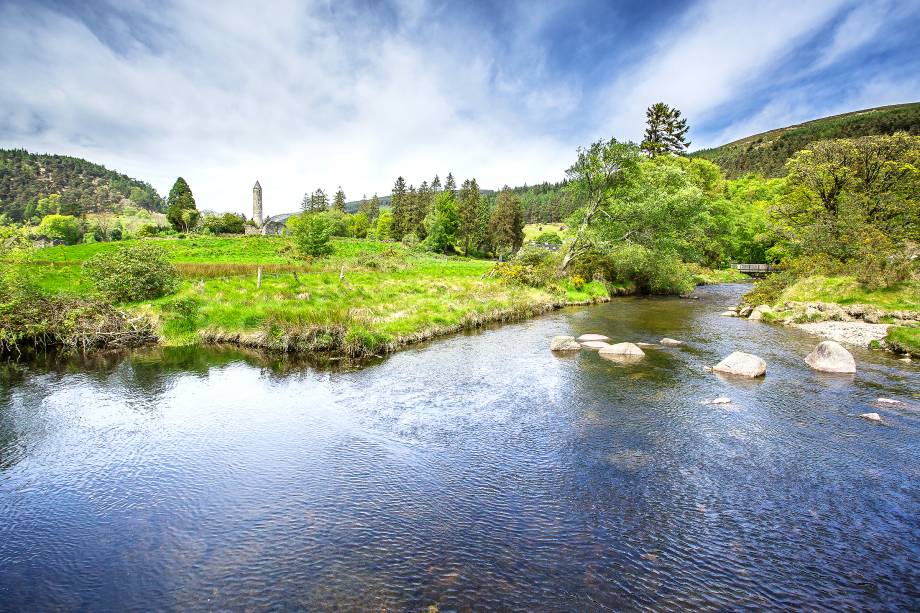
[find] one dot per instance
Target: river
(476, 472)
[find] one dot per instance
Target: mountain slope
(766, 153)
(84, 187)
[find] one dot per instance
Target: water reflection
(478, 471)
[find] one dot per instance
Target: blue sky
(306, 95)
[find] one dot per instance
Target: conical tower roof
(257, 186)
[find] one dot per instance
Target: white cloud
(860, 27)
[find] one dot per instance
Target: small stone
(644, 344)
(719, 400)
(595, 345)
(564, 343)
(729, 314)
(758, 313)
(592, 337)
(830, 356)
(872, 417)
(888, 401)
(670, 342)
(742, 364)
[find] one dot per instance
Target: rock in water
(584, 338)
(830, 356)
(888, 401)
(872, 417)
(729, 314)
(745, 310)
(719, 400)
(670, 342)
(627, 349)
(742, 364)
(758, 313)
(595, 345)
(564, 343)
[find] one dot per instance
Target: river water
(478, 472)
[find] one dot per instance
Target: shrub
(548, 238)
(64, 228)
(311, 233)
(228, 223)
(410, 240)
(531, 266)
(653, 272)
(129, 274)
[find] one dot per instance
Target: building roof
(257, 186)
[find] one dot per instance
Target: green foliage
(468, 205)
(311, 233)
(904, 339)
(180, 207)
(64, 228)
(338, 203)
(410, 240)
(506, 224)
(443, 224)
(653, 272)
(228, 223)
(548, 238)
(384, 226)
(132, 273)
(665, 131)
(766, 154)
(358, 225)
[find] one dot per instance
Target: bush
(150, 230)
(64, 228)
(129, 274)
(652, 272)
(531, 266)
(311, 233)
(548, 238)
(228, 223)
(410, 240)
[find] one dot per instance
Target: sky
(301, 95)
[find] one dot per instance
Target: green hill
(84, 187)
(766, 153)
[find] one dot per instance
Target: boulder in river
(584, 338)
(595, 345)
(564, 343)
(872, 417)
(758, 312)
(624, 349)
(830, 356)
(719, 400)
(729, 314)
(670, 342)
(742, 364)
(745, 310)
(890, 401)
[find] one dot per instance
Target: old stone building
(265, 226)
(257, 204)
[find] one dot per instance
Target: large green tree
(506, 224)
(180, 206)
(338, 202)
(399, 206)
(665, 131)
(469, 213)
(442, 224)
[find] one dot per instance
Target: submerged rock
(564, 343)
(719, 400)
(592, 337)
(595, 345)
(623, 349)
(742, 364)
(758, 312)
(890, 401)
(729, 314)
(670, 342)
(872, 417)
(830, 356)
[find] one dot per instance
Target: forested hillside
(766, 153)
(84, 187)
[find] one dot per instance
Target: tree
(305, 203)
(469, 212)
(64, 228)
(442, 224)
(665, 131)
(399, 206)
(384, 226)
(506, 225)
(180, 200)
(599, 177)
(436, 184)
(373, 209)
(319, 201)
(450, 185)
(339, 202)
(311, 234)
(358, 225)
(421, 204)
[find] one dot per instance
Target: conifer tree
(450, 185)
(373, 209)
(665, 131)
(305, 203)
(398, 205)
(319, 201)
(436, 184)
(506, 224)
(339, 202)
(469, 212)
(180, 200)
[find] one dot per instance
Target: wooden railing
(756, 269)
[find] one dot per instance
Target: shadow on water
(478, 471)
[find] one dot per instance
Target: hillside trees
(665, 131)
(442, 224)
(338, 202)
(506, 223)
(180, 206)
(399, 206)
(469, 212)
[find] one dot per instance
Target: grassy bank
(847, 290)
(366, 298)
(904, 340)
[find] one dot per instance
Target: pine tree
(339, 203)
(665, 131)
(305, 203)
(436, 184)
(319, 201)
(420, 209)
(506, 224)
(398, 206)
(373, 209)
(449, 184)
(180, 199)
(469, 212)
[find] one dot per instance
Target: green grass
(709, 276)
(390, 295)
(847, 290)
(532, 230)
(904, 339)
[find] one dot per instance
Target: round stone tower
(257, 204)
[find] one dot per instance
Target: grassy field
(846, 290)
(532, 230)
(367, 297)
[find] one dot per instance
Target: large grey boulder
(830, 356)
(595, 345)
(742, 364)
(564, 343)
(759, 311)
(584, 338)
(627, 349)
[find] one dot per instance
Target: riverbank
(366, 298)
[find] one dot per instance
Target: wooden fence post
(259, 278)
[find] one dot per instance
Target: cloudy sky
(303, 95)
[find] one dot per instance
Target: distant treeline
(84, 187)
(766, 154)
